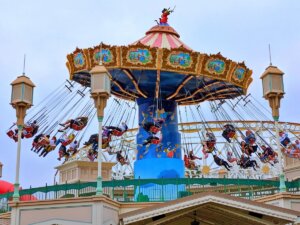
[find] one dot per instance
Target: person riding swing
(284, 139)
(228, 132)
(188, 163)
(210, 142)
(121, 159)
(221, 162)
(48, 148)
(41, 143)
(250, 140)
(153, 139)
(153, 127)
(28, 131)
(192, 156)
(117, 131)
(76, 124)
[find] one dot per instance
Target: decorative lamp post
(100, 92)
(273, 91)
(21, 100)
(1, 166)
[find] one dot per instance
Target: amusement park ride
(174, 113)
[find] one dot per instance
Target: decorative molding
(177, 60)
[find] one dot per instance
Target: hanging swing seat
(231, 134)
(10, 133)
(155, 141)
(117, 133)
(28, 135)
(77, 127)
(28, 129)
(65, 143)
(69, 140)
(154, 129)
(210, 144)
(189, 164)
(43, 141)
(285, 141)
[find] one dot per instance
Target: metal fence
(153, 190)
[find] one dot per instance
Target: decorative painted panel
(215, 66)
(139, 56)
(78, 60)
(105, 54)
(180, 59)
(239, 74)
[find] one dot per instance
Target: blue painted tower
(159, 160)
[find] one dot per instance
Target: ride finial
(24, 63)
(270, 55)
(163, 20)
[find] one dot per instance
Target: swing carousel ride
(195, 117)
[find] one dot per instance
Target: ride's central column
(158, 160)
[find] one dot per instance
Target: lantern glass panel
(28, 94)
(99, 83)
(277, 83)
(266, 84)
(16, 93)
(107, 84)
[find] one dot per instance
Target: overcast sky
(48, 30)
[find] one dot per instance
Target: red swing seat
(65, 143)
(154, 129)
(28, 129)
(117, 133)
(155, 141)
(28, 135)
(10, 133)
(211, 144)
(231, 134)
(77, 127)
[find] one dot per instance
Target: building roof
(211, 208)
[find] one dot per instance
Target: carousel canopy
(160, 65)
(162, 37)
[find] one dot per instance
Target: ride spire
(24, 62)
(270, 56)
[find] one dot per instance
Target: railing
(153, 190)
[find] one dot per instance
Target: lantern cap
(23, 79)
(99, 69)
(271, 70)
